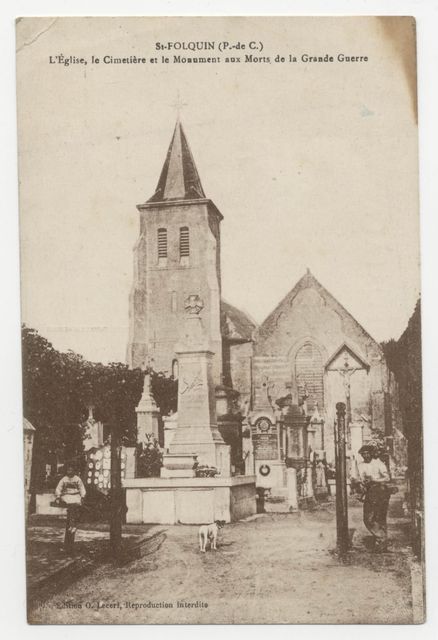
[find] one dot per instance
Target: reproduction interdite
(221, 320)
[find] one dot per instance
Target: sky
(312, 165)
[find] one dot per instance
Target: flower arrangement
(204, 471)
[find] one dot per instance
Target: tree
(404, 359)
(52, 401)
(59, 387)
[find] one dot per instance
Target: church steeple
(179, 179)
(177, 255)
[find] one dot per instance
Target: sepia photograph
(221, 320)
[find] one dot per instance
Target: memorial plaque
(265, 439)
(265, 446)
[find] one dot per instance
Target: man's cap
(367, 448)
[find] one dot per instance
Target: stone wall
(189, 500)
(310, 315)
(162, 285)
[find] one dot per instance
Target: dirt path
(275, 568)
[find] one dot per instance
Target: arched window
(184, 242)
(309, 374)
(162, 244)
(175, 369)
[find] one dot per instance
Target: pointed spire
(179, 179)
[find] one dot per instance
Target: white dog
(208, 534)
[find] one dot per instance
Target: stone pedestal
(147, 413)
(130, 462)
(189, 500)
(292, 493)
(178, 465)
(309, 483)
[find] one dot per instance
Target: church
(276, 384)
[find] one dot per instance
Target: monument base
(178, 465)
(212, 454)
(177, 473)
(189, 500)
(271, 474)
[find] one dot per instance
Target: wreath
(264, 470)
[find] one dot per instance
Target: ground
(275, 567)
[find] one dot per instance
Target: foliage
(204, 471)
(149, 458)
(53, 388)
(97, 505)
(59, 387)
(165, 392)
(404, 359)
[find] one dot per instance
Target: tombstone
(93, 432)
(148, 414)
(247, 447)
(321, 486)
(130, 462)
(292, 490)
(196, 438)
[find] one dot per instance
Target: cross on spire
(178, 105)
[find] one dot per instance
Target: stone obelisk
(197, 437)
(147, 413)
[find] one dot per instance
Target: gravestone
(147, 414)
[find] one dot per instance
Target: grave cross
(346, 371)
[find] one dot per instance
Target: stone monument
(181, 495)
(197, 438)
(147, 413)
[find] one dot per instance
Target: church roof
(346, 350)
(235, 324)
(308, 280)
(179, 179)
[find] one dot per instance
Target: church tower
(177, 255)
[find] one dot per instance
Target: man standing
(374, 479)
(70, 493)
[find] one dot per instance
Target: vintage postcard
(221, 320)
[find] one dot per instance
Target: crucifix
(346, 371)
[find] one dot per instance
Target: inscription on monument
(265, 440)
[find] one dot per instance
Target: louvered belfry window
(162, 243)
(184, 242)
